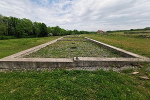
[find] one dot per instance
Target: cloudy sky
(88, 15)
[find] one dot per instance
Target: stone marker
(144, 77)
(134, 73)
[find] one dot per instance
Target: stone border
(31, 50)
(16, 61)
(119, 51)
(74, 40)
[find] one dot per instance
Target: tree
(43, 30)
(83, 32)
(56, 31)
(49, 29)
(3, 25)
(3, 29)
(12, 26)
(63, 32)
(27, 26)
(12, 23)
(36, 29)
(75, 32)
(19, 32)
(147, 28)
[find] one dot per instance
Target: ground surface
(74, 85)
(62, 84)
(70, 49)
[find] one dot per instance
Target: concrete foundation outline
(16, 61)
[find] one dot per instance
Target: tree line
(132, 30)
(19, 28)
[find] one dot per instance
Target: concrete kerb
(31, 50)
(121, 52)
(17, 62)
(95, 61)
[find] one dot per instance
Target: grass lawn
(140, 46)
(11, 46)
(74, 85)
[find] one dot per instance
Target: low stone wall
(34, 63)
(17, 62)
(31, 50)
(73, 40)
(107, 62)
(119, 51)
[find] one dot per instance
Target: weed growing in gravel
(70, 49)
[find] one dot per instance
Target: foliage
(3, 25)
(132, 31)
(3, 29)
(43, 30)
(3, 37)
(36, 29)
(12, 26)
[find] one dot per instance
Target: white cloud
(89, 15)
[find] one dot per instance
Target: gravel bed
(116, 69)
(70, 49)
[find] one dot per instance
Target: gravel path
(116, 69)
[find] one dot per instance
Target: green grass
(140, 46)
(72, 85)
(127, 70)
(135, 35)
(63, 49)
(75, 84)
(11, 46)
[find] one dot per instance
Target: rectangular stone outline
(16, 61)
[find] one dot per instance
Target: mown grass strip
(11, 46)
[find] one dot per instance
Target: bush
(2, 37)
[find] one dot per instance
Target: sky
(87, 15)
